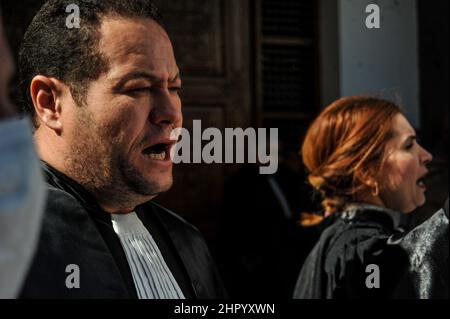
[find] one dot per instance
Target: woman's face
(402, 186)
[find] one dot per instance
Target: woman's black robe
(365, 254)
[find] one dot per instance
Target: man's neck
(115, 210)
(53, 153)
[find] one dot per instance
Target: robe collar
(367, 213)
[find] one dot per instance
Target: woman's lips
(421, 181)
(421, 184)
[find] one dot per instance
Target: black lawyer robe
(76, 231)
(353, 258)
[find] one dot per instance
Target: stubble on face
(113, 128)
(98, 162)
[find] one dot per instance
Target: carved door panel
(211, 42)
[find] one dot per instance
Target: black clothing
(427, 246)
(341, 264)
(264, 253)
(76, 230)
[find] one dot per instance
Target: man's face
(120, 140)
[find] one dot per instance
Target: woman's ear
(46, 93)
(369, 180)
(371, 193)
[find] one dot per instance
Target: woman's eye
(409, 146)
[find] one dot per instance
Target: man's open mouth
(158, 151)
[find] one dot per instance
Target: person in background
(268, 246)
(426, 275)
(22, 188)
(363, 157)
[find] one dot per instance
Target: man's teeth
(420, 183)
(157, 156)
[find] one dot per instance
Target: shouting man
(104, 94)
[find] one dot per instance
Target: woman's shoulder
(354, 244)
(358, 218)
(360, 229)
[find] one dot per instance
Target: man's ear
(46, 96)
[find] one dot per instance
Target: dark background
(257, 63)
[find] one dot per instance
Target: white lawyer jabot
(151, 275)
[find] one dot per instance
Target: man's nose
(167, 110)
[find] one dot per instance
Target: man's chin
(155, 186)
(147, 182)
(164, 187)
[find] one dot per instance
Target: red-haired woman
(363, 157)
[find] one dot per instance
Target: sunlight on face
(130, 112)
(402, 178)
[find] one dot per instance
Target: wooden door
(212, 46)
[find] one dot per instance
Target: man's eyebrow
(175, 78)
(142, 75)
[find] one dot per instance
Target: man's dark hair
(71, 55)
